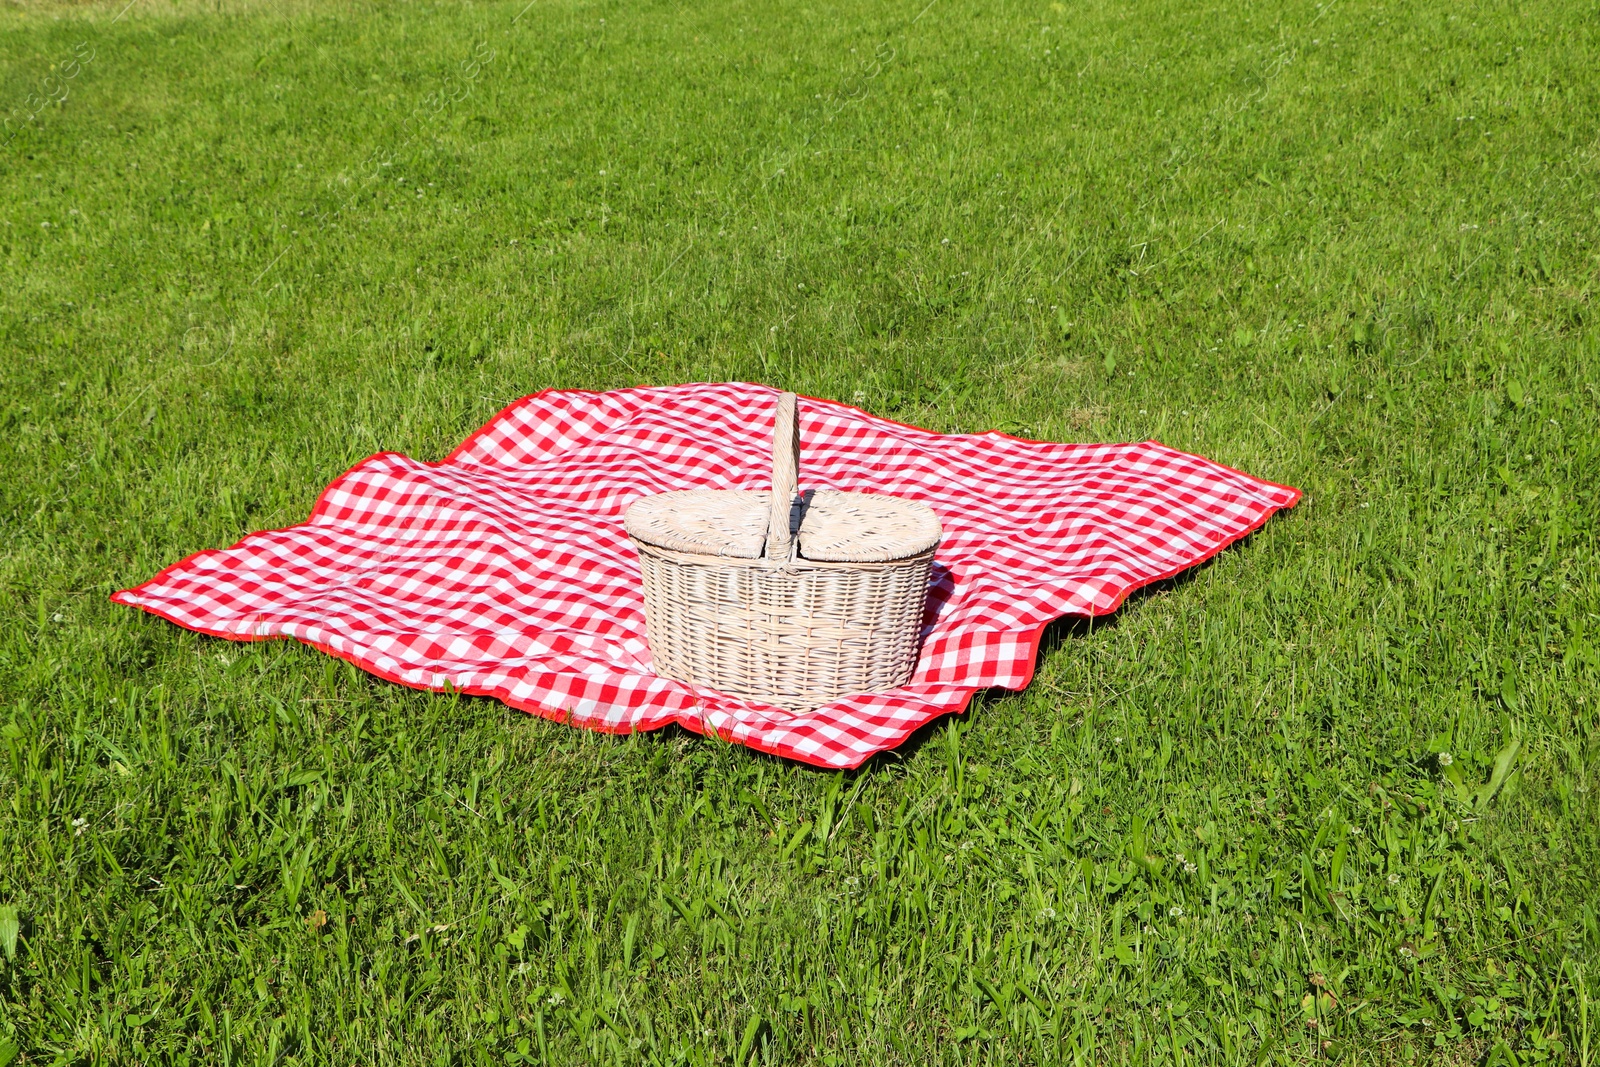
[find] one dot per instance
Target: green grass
(1351, 247)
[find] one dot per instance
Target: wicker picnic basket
(791, 600)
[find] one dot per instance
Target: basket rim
(777, 566)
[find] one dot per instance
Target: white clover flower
(555, 1000)
(79, 825)
(1445, 759)
(1047, 913)
(1394, 879)
(1175, 912)
(1190, 868)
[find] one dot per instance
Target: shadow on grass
(1056, 635)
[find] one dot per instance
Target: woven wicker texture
(784, 629)
(795, 635)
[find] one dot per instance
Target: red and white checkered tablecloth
(504, 570)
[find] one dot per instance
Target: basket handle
(785, 478)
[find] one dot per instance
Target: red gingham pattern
(504, 570)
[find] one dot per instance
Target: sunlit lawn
(1332, 796)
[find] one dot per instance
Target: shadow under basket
(781, 599)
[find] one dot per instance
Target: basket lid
(712, 522)
(828, 525)
(835, 527)
(865, 527)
